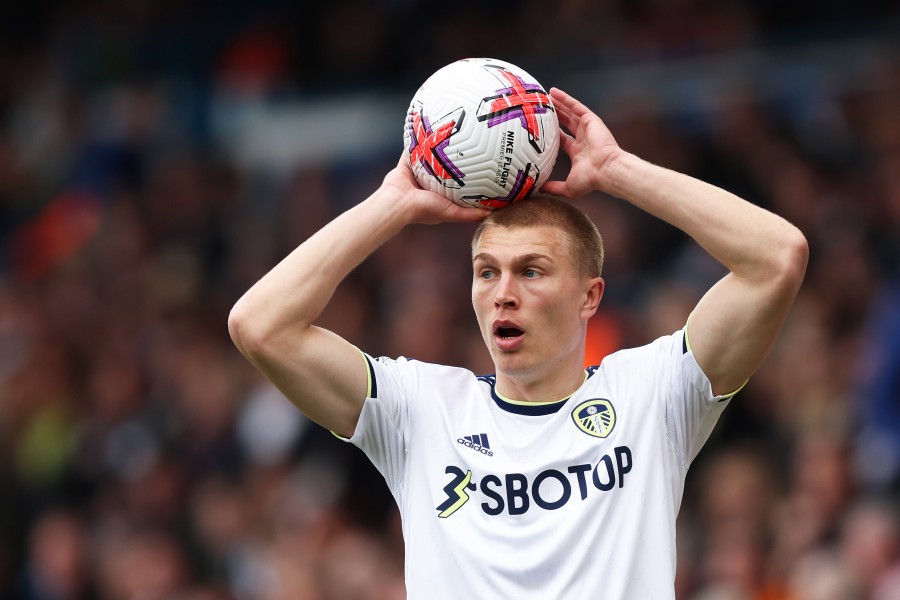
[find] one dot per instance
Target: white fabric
(601, 521)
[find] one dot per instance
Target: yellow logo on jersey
(456, 491)
(595, 417)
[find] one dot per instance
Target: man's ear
(592, 297)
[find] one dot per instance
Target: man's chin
(511, 361)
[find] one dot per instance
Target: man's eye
(530, 273)
(486, 274)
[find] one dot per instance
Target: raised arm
(734, 325)
(324, 375)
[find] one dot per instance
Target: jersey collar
(527, 408)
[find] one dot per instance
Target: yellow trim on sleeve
(687, 343)
(731, 394)
(368, 387)
(687, 339)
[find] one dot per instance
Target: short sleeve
(692, 410)
(383, 427)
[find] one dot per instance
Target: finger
(406, 172)
(561, 106)
(567, 118)
(562, 99)
(567, 121)
(555, 188)
(569, 103)
(566, 143)
(465, 213)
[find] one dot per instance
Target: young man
(545, 480)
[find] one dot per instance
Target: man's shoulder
(637, 355)
(425, 370)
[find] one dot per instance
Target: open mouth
(508, 332)
(507, 336)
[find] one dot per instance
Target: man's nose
(507, 296)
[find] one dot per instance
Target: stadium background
(156, 158)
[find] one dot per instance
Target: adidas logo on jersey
(477, 442)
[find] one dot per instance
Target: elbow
(245, 332)
(260, 333)
(793, 257)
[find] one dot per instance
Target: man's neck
(518, 388)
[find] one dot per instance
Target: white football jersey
(569, 499)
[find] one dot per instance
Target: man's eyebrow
(534, 256)
(525, 258)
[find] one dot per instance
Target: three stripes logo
(595, 417)
(477, 442)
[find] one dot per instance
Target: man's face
(530, 299)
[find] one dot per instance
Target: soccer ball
(481, 132)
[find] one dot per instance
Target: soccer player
(544, 480)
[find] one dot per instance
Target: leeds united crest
(595, 417)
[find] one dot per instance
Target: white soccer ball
(481, 132)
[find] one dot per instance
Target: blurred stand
(155, 161)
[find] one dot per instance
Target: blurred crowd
(142, 458)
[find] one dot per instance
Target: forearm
(750, 241)
(293, 294)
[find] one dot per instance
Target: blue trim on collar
(528, 409)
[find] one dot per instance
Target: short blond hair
(583, 239)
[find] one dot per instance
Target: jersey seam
(405, 435)
(668, 410)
